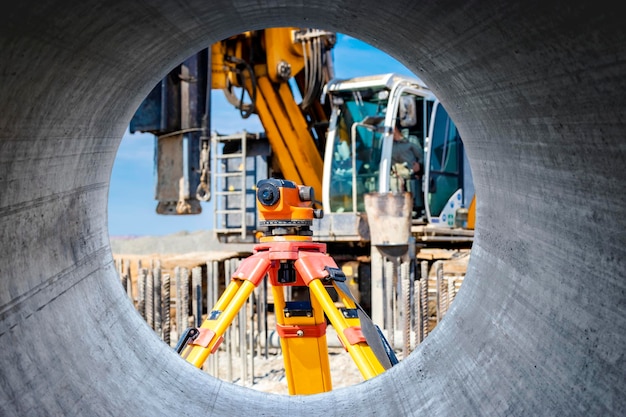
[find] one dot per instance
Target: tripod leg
(302, 329)
(374, 336)
(245, 279)
(312, 267)
(349, 332)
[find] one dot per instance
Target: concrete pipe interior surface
(537, 91)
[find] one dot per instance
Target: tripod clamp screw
(335, 274)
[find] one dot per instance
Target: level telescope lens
(268, 194)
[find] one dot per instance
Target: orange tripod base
(300, 325)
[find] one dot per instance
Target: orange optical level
(283, 203)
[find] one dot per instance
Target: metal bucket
(389, 218)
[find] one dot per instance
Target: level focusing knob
(305, 193)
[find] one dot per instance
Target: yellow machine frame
(285, 125)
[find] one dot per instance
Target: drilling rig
(331, 134)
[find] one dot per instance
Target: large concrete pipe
(537, 90)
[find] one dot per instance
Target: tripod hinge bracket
(253, 268)
(314, 330)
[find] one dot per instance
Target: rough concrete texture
(537, 90)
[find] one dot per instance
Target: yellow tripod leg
(302, 330)
(245, 279)
(349, 333)
(313, 266)
(218, 321)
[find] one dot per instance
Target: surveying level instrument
(287, 255)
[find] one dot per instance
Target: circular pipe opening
(538, 84)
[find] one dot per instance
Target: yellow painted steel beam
(288, 134)
(471, 215)
(281, 47)
(300, 125)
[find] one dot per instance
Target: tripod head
(286, 208)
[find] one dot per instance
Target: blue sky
(131, 208)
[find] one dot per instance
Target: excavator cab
(359, 143)
(359, 147)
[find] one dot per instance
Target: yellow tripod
(289, 257)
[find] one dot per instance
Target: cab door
(447, 179)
